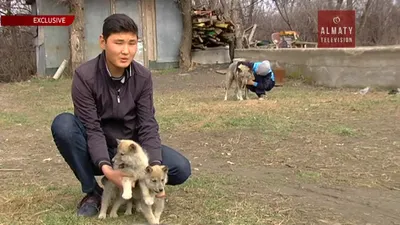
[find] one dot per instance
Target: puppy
(238, 75)
(132, 160)
(155, 180)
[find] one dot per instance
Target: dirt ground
(304, 155)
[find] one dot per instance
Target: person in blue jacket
(264, 77)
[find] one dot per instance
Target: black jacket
(109, 109)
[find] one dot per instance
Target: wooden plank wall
(147, 9)
(149, 29)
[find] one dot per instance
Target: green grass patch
(261, 122)
(172, 121)
(13, 118)
(309, 175)
(343, 130)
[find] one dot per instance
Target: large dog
(238, 75)
(133, 161)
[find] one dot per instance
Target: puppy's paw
(153, 222)
(149, 201)
(102, 216)
(127, 196)
(113, 215)
(128, 212)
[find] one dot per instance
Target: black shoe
(90, 204)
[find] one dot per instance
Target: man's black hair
(118, 23)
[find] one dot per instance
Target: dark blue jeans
(70, 138)
(269, 84)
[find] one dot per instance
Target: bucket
(279, 76)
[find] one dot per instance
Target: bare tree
(339, 4)
(197, 3)
(77, 33)
(349, 4)
(364, 16)
(281, 5)
(186, 42)
(225, 8)
(238, 21)
(251, 12)
(16, 45)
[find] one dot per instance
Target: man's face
(120, 48)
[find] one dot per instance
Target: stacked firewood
(211, 29)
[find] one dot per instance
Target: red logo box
(336, 28)
(37, 20)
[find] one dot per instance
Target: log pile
(211, 29)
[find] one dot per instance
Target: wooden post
(145, 39)
(113, 7)
(149, 31)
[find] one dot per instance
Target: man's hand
(161, 194)
(114, 176)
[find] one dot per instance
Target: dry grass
(251, 160)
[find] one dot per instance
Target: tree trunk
(237, 20)
(330, 4)
(197, 3)
(349, 4)
(251, 13)
(278, 5)
(186, 42)
(14, 47)
(364, 16)
(213, 4)
(77, 35)
(339, 4)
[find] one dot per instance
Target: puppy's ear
(164, 168)
(118, 141)
(242, 67)
(132, 147)
(149, 169)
